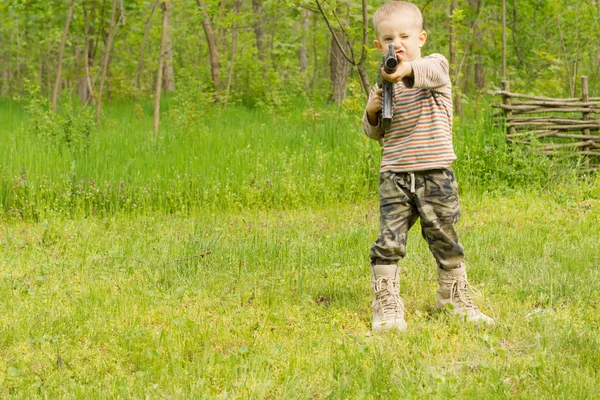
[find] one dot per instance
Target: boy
(416, 177)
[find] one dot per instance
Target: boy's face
(405, 33)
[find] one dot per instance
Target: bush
(69, 128)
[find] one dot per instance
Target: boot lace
(460, 288)
(387, 295)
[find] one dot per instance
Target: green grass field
(231, 261)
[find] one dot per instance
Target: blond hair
(392, 8)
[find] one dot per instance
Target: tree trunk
(257, 6)
(85, 90)
(302, 27)
(339, 66)
(140, 64)
(514, 34)
(453, 66)
(5, 68)
(478, 47)
(479, 73)
(504, 72)
(60, 56)
(161, 59)
(315, 71)
(107, 49)
(168, 74)
(362, 74)
(236, 8)
(212, 46)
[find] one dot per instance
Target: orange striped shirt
(421, 134)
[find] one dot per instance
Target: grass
(275, 304)
(234, 158)
(214, 158)
(224, 259)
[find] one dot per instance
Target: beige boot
(388, 309)
(454, 291)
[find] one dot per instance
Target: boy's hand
(374, 105)
(404, 69)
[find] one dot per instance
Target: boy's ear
(422, 38)
(377, 44)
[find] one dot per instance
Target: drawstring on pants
(412, 182)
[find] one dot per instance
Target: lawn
(214, 260)
(275, 304)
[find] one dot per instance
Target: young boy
(416, 177)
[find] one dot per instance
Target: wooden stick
(562, 153)
(537, 134)
(585, 95)
(519, 122)
(542, 110)
(518, 108)
(593, 138)
(555, 103)
(511, 140)
(507, 103)
(549, 119)
(527, 96)
(586, 170)
(566, 145)
(594, 127)
(509, 107)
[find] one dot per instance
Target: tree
(234, 37)
(106, 57)
(167, 53)
(339, 66)
(257, 6)
(212, 46)
(164, 5)
(360, 64)
(454, 68)
(60, 56)
(147, 26)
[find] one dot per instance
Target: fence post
(506, 101)
(585, 97)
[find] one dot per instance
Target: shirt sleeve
(373, 132)
(431, 72)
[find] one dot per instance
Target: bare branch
(351, 61)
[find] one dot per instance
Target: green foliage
(550, 45)
(70, 128)
(190, 105)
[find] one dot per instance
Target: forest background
(267, 52)
(187, 200)
(64, 61)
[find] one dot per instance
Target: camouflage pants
(404, 197)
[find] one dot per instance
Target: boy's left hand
(404, 69)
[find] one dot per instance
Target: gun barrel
(389, 64)
(390, 61)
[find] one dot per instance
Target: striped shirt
(421, 134)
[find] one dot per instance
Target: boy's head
(400, 23)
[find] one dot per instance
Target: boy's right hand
(374, 105)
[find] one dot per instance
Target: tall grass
(221, 158)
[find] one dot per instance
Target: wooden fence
(575, 131)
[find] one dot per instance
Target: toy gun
(389, 65)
